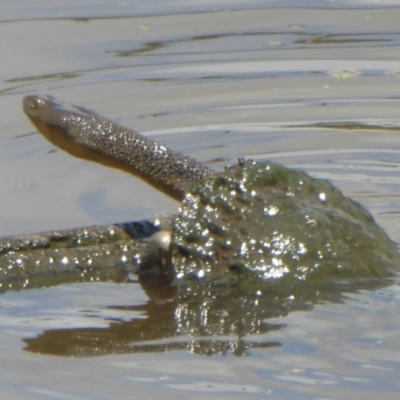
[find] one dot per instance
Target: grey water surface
(312, 85)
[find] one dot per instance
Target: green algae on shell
(265, 221)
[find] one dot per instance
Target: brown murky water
(315, 88)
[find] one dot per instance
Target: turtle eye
(33, 104)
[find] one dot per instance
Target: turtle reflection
(227, 322)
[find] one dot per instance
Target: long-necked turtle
(253, 222)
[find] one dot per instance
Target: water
(315, 87)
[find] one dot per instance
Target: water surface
(315, 87)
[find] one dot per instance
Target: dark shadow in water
(290, 39)
(59, 76)
(349, 39)
(217, 322)
(350, 126)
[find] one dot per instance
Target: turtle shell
(268, 222)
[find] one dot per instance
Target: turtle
(253, 222)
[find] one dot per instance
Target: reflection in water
(225, 321)
(165, 327)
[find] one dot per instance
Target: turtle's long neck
(87, 135)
